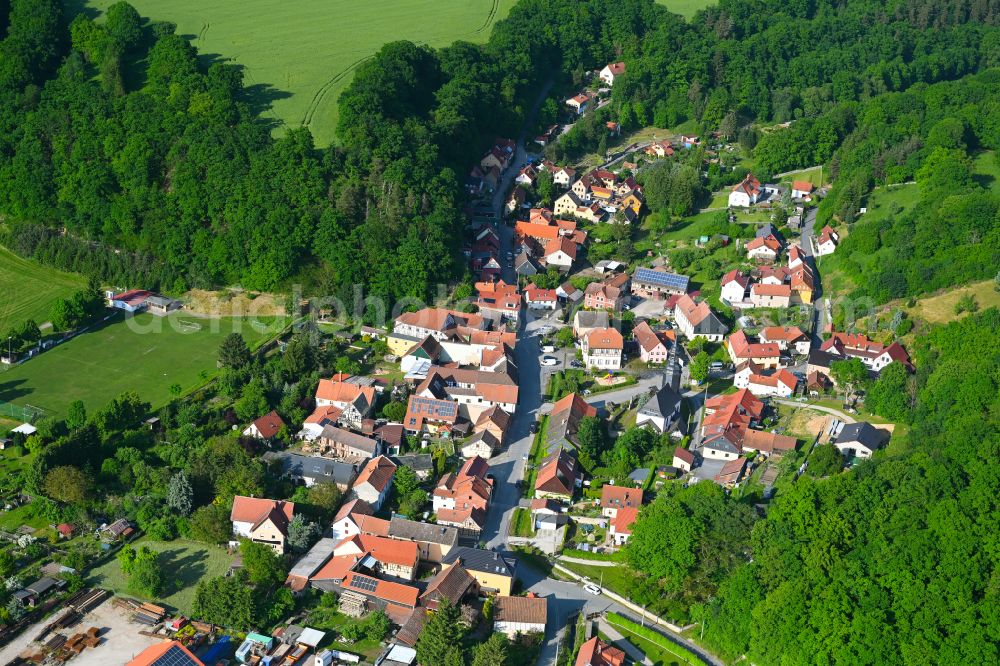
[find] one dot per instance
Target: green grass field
(28, 289)
(146, 354)
(184, 563)
(685, 8)
(300, 55)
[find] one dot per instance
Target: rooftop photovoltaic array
(432, 406)
(364, 583)
(671, 280)
(174, 657)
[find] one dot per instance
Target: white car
(550, 360)
(548, 349)
(592, 589)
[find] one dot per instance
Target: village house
(453, 585)
(661, 411)
(262, 521)
(654, 347)
(342, 400)
(540, 299)
(657, 283)
(394, 558)
(585, 321)
(578, 103)
(374, 481)
(697, 320)
(474, 391)
(266, 427)
(614, 498)
(494, 572)
(596, 652)
(515, 200)
(860, 440)
(683, 459)
(604, 296)
(732, 473)
(563, 176)
(527, 176)
(796, 257)
(602, 349)
(727, 432)
(874, 355)
(766, 355)
(620, 528)
(482, 444)
(827, 241)
(612, 71)
(499, 298)
(520, 615)
(780, 384)
(564, 421)
(439, 323)
(495, 421)
(660, 149)
(771, 295)
(788, 338)
(801, 189)
(462, 498)
(746, 193)
(557, 476)
(334, 442)
(735, 287)
(311, 470)
(436, 416)
(560, 252)
(764, 249)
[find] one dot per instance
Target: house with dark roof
(451, 585)
(421, 463)
(493, 571)
(661, 411)
(860, 440)
(262, 520)
(311, 470)
(434, 542)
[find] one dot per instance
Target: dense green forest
(159, 169)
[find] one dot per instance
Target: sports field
(28, 289)
(145, 354)
(300, 55)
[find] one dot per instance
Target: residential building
(788, 338)
(683, 459)
(658, 283)
(746, 193)
(578, 103)
(557, 476)
(860, 440)
(375, 481)
(440, 323)
(563, 176)
(560, 252)
(585, 321)
(764, 354)
(780, 384)
(732, 473)
(520, 615)
(462, 498)
(432, 415)
(540, 299)
(494, 420)
(697, 320)
(620, 528)
(314, 469)
(660, 149)
(827, 241)
(654, 346)
(394, 558)
(874, 355)
(771, 295)
(266, 427)
(474, 391)
(801, 189)
(612, 71)
(763, 248)
(735, 287)
(433, 541)
(500, 298)
(262, 520)
(602, 348)
(351, 400)
(661, 411)
(482, 444)
(334, 442)
(452, 585)
(493, 571)
(796, 257)
(596, 652)
(614, 498)
(564, 421)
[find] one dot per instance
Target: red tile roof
(151, 654)
(255, 509)
(395, 593)
(617, 497)
(605, 338)
(624, 519)
(269, 425)
(378, 473)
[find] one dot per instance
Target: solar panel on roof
(174, 656)
(665, 279)
(364, 583)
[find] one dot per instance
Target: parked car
(715, 365)
(576, 364)
(548, 349)
(592, 589)
(550, 360)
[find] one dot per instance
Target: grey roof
(314, 467)
(769, 229)
(592, 318)
(639, 475)
(317, 556)
(350, 439)
(711, 325)
(665, 403)
(418, 462)
(42, 585)
(161, 301)
(413, 530)
(823, 359)
(525, 265)
(486, 561)
(865, 433)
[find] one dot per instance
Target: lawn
(28, 289)
(146, 354)
(940, 308)
(299, 56)
(685, 8)
(521, 524)
(986, 170)
(183, 562)
(815, 175)
(659, 650)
